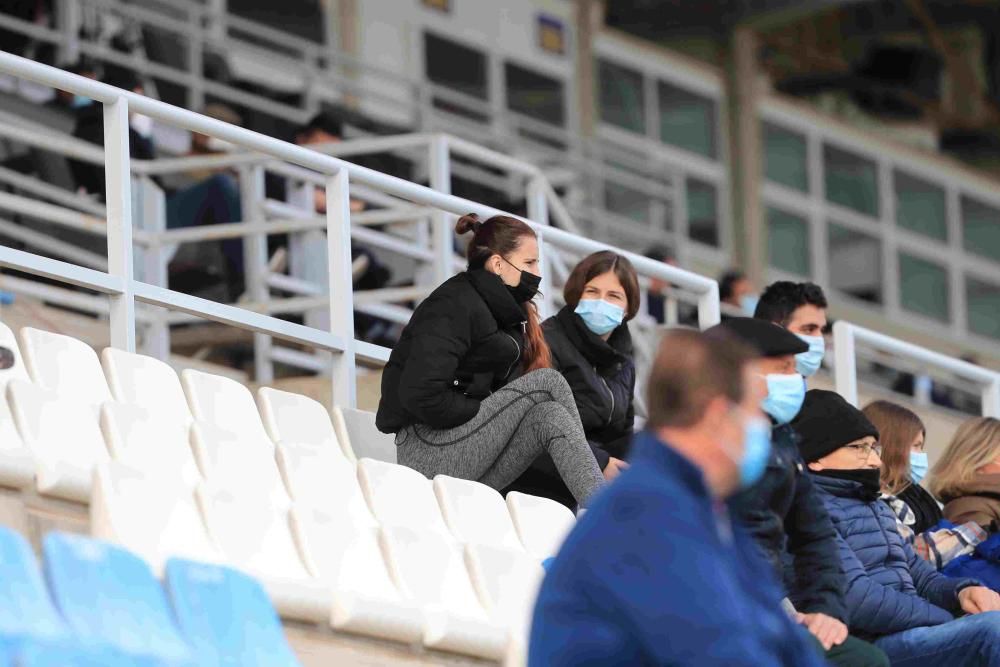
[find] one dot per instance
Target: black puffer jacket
(786, 516)
(463, 342)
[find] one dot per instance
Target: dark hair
(121, 77)
(598, 264)
(691, 369)
(897, 429)
(727, 282)
(6, 358)
(781, 299)
(502, 235)
(660, 253)
(324, 121)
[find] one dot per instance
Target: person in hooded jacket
(591, 346)
(783, 512)
(894, 598)
(469, 390)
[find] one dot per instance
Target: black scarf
(507, 312)
(600, 354)
(868, 478)
(925, 508)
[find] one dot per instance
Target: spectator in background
(800, 308)
(202, 144)
(656, 573)
(660, 290)
(967, 476)
(893, 596)
(469, 390)
(736, 291)
(782, 510)
(68, 101)
(591, 346)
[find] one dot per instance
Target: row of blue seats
(98, 605)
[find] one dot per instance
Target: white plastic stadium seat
(347, 559)
(507, 583)
(475, 513)
(152, 515)
(66, 366)
(18, 370)
(239, 463)
(296, 419)
(143, 438)
(223, 402)
(63, 436)
(138, 379)
(359, 438)
(400, 496)
(320, 479)
(17, 465)
(431, 571)
(542, 524)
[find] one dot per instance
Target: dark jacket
(925, 509)
(463, 342)
(784, 514)
(889, 587)
(90, 127)
(677, 583)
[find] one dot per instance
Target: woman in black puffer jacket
(468, 390)
(592, 347)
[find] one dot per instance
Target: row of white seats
(446, 562)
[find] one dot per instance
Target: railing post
(845, 369)
(117, 174)
(338, 235)
(443, 239)
(708, 307)
(196, 60)
(538, 211)
(991, 399)
(156, 339)
(68, 16)
(255, 263)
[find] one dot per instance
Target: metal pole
(255, 264)
(443, 238)
(538, 211)
(117, 175)
(156, 339)
(991, 399)
(338, 235)
(68, 17)
(708, 307)
(196, 60)
(845, 368)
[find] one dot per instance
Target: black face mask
(869, 478)
(526, 288)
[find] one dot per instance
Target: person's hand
(614, 468)
(829, 631)
(977, 599)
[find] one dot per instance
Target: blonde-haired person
(904, 466)
(967, 476)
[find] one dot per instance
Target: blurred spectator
(967, 476)
(736, 291)
(656, 573)
(202, 144)
(70, 101)
(660, 290)
(800, 308)
(893, 596)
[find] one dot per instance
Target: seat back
(296, 419)
(226, 616)
(360, 438)
(223, 402)
(141, 380)
(507, 583)
(17, 369)
(342, 553)
(17, 465)
(318, 478)
(65, 365)
(475, 513)
(25, 606)
(541, 523)
(400, 496)
(241, 463)
(110, 596)
(149, 441)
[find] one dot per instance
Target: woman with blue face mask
(591, 346)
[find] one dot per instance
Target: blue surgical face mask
(600, 316)
(80, 101)
(785, 394)
(756, 451)
(918, 466)
(807, 363)
(748, 302)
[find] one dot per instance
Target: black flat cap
(827, 422)
(770, 339)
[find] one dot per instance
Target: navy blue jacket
(889, 587)
(655, 573)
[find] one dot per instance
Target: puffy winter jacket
(889, 588)
(463, 342)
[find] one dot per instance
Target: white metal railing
(124, 291)
(846, 336)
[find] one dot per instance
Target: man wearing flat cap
(783, 512)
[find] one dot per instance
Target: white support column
(538, 211)
(991, 399)
(156, 339)
(255, 264)
(845, 368)
(443, 238)
(196, 59)
(338, 235)
(708, 308)
(69, 18)
(117, 173)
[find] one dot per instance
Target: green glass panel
(855, 261)
(687, 120)
(703, 212)
(785, 157)
(620, 98)
(851, 181)
(788, 242)
(920, 206)
(923, 287)
(981, 228)
(983, 307)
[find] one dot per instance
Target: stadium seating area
(191, 475)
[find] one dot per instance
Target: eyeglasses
(865, 451)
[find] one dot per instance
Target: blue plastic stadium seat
(226, 616)
(110, 599)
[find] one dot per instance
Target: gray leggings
(534, 414)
